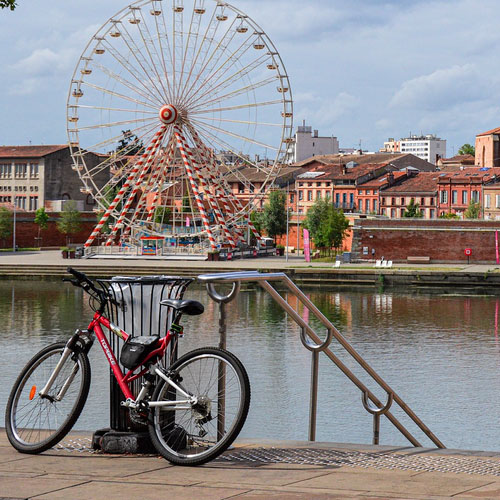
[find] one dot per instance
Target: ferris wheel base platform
(201, 257)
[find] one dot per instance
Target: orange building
(488, 148)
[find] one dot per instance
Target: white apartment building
(308, 143)
(428, 147)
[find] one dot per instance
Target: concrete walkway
(54, 257)
(364, 472)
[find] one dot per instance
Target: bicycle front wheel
(35, 423)
(197, 432)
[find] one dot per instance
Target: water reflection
(440, 353)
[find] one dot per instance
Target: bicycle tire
(35, 424)
(195, 436)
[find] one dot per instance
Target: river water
(440, 352)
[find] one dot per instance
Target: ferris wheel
(179, 115)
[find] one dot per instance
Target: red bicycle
(194, 409)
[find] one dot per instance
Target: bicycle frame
(124, 379)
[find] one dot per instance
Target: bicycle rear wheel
(193, 434)
(34, 423)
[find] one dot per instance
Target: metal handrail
(313, 343)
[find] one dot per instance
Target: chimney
(344, 169)
(390, 178)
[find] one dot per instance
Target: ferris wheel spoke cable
(114, 124)
(212, 83)
(148, 72)
(105, 108)
(238, 136)
(209, 37)
(132, 70)
(148, 96)
(237, 107)
(210, 73)
(232, 94)
(207, 68)
(117, 94)
(149, 48)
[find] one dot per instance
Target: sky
(362, 70)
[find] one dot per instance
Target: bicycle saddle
(189, 307)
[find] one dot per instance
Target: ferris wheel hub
(168, 114)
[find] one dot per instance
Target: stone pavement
(364, 472)
(54, 257)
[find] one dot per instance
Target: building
(43, 176)
(491, 201)
(429, 147)
(458, 189)
(421, 187)
(458, 162)
(390, 146)
(307, 143)
(488, 148)
(368, 195)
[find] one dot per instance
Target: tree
(449, 215)
(162, 215)
(413, 210)
(274, 215)
(69, 220)
(42, 220)
(467, 149)
(5, 224)
(473, 211)
(327, 225)
(256, 218)
(11, 4)
(130, 144)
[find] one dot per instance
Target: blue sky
(361, 70)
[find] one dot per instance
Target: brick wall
(27, 231)
(441, 240)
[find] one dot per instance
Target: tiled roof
(344, 159)
(29, 151)
(459, 159)
(495, 131)
(382, 180)
(470, 175)
(424, 182)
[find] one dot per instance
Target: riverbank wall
(439, 240)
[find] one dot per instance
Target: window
(393, 201)
(292, 198)
(487, 201)
(351, 199)
(444, 196)
(301, 195)
(318, 195)
(454, 196)
(393, 213)
(464, 198)
(422, 202)
(475, 196)
(5, 171)
(344, 198)
(360, 205)
(34, 170)
(21, 170)
(33, 203)
(402, 200)
(327, 195)
(497, 200)
(337, 199)
(375, 191)
(367, 191)
(432, 213)
(309, 196)
(360, 191)
(367, 206)
(375, 205)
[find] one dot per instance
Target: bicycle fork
(69, 349)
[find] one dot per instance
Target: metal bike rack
(315, 345)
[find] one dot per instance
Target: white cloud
(441, 89)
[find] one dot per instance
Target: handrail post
(313, 396)
(222, 300)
